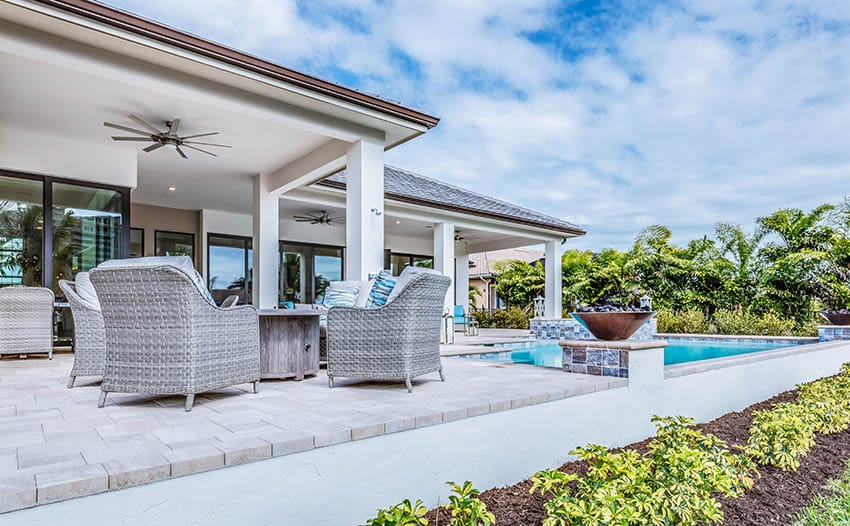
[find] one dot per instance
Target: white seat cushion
(85, 289)
(182, 263)
(406, 276)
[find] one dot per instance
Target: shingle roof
(481, 264)
(402, 185)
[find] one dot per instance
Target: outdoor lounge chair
(165, 335)
(398, 341)
(89, 334)
(460, 317)
(26, 320)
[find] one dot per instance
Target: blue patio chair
(460, 317)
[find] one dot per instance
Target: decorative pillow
(381, 289)
(406, 276)
(340, 296)
(85, 289)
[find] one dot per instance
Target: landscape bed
(777, 496)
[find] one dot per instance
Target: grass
(830, 508)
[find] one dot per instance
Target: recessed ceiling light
(172, 189)
(398, 222)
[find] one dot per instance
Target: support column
(444, 256)
(364, 209)
(462, 281)
(265, 244)
(554, 294)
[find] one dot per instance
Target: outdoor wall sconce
(376, 212)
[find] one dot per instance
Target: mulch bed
(776, 497)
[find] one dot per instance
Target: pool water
(547, 353)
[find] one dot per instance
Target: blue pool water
(547, 353)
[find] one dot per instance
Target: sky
(612, 115)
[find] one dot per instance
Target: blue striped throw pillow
(381, 290)
(340, 297)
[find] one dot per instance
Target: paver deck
(55, 443)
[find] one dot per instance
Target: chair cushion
(406, 277)
(381, 289)
(85, 289)
(182, 263)
(364, 288)
(340, 296)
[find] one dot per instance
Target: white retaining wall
(344, 484)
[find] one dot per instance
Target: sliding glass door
(230, 259)
(306, 270)
(21, 231)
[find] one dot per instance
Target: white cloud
(696, 113)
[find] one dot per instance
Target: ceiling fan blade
(174, 125)
(305, 220)
(126, 129)
(208, 144)
(146, 124)
(200, 150)
(182, 154)
(199, 135)
(303, 217)
(154, 146)
(141, 139)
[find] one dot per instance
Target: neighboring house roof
(161, 33)
(481, 264)
(405, 186)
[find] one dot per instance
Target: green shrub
(484, 319)
(691, 321)
(674, 482)
(465, 507)
(781, 436)
(402, 514)
(513, 318)
(740, 321)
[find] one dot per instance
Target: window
(230, 260)
(87, 228)
(174, 244)
(21, 231)
(137, 242)
(398, 262)
(306, 271)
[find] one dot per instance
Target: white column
(364, 209)
(554, 294)
(462, 281)
(444, 256)
(265, 244)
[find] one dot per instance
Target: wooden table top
(291, 312)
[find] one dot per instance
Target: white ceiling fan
(164, 138)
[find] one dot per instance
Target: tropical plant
(404, 513)
(466, 508)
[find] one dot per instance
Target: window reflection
(230, 264)
(21, 231)
(306, 271)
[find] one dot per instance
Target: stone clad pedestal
(641, 361)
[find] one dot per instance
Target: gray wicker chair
(164, 337)
(26, 320)
(398, 341)
(89, 335)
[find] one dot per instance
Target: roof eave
(187, 42)
(571, 232)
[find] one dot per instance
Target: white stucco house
(297, 147)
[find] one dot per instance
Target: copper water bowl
(836, 318)
(612, 325)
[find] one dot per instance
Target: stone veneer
(603, 358)
(828, 333)
(570, 329)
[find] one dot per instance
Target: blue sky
(614, 115)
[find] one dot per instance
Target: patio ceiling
(70, 75)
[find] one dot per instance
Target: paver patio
(55, 443)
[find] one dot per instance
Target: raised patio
(55, 444)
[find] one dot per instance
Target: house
(482, 273)
(299, 196)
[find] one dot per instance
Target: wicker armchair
(89, 334)
(398, 341)
(163, 336)
(26, 320)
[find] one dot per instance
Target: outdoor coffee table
(289, 343)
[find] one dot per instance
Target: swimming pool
(547, 353)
